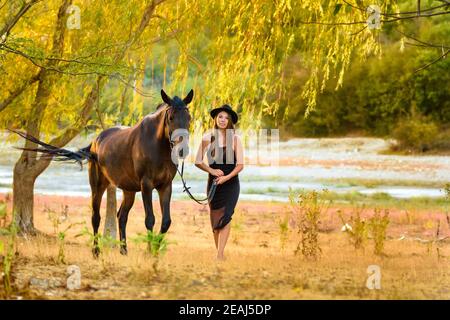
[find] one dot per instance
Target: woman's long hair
(230, 125)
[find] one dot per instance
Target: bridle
(213, 188)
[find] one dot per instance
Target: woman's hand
(221, 180)
(216, 172)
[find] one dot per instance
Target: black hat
(227, 109)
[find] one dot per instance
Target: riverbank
(345, 166)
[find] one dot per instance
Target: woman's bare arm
(201, 153)
(239, 157)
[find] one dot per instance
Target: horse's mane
(160, 106)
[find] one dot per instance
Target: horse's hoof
(123, 251)
(164, 228)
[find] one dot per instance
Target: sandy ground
(259, 265)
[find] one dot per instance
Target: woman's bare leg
(224, 233)
(216, 237)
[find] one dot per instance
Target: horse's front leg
(122, 216)
(146, 190)
(165, 193)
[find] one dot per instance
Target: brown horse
(140, 158)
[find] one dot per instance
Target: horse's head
(177, 120)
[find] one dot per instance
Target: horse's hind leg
(98, 183)
(122, 216)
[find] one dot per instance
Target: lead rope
(213, 188)
(211, 192)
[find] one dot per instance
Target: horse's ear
(166, 98)
(189, 97)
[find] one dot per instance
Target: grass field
(261, 261)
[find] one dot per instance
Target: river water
(309, 164)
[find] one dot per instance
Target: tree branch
(3, 4)
(17, 92)
(148, 14)
(398, 13)
(359, 31)
(395, 16)
(14, 19)
(53, 68)
(54, 60)
(88, 105)
(442, 56)
(425, 44)
(73, 130)
(45, 83)
(365, 22)
(417, 16)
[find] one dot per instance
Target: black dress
(222, 205)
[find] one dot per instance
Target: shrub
(417, 133)
(8, 252)
(156, 245)
(378, 225)
(308, 209)
(104, 243)
(447, 190)
(3, 214)
(356, 228)
(156, 242)
(283, 225)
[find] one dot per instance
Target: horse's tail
(55, 153)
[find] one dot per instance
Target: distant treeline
(380, 97)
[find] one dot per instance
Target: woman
(225, 161)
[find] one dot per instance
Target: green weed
(377, 226)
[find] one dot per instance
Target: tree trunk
(28, 167)
(111, 209)
(23, 193)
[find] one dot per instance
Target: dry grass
(256, 267)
